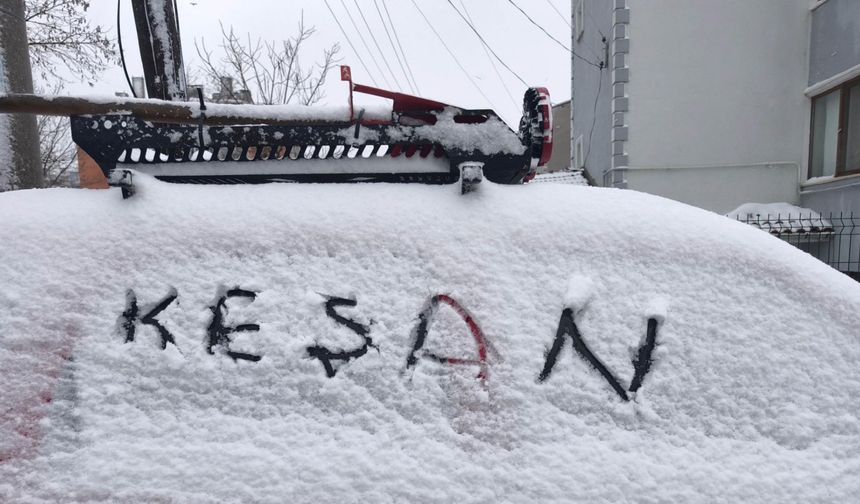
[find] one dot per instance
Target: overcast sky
(529, 52)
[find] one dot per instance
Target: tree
(56, 149)
(62, 43)
(270, 70)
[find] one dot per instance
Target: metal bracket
(471, 175)
(124, 180)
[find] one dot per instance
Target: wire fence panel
(832, 238)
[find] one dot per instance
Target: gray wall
(835, 39)
(586, 81)
(720, 189)
(841, 195)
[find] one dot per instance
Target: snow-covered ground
(751, 395)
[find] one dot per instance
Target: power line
(493, 63)
(373, 37)
(539, 26)
(397, 38)
(484, 42)
(393, 47)
(562, 16)
(360, 36)
(121, 52)
(452, 53)
(360, 60)
(593, 117)
(568, 49)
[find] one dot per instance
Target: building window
(578, 155)
(579, 18)
(835, 132)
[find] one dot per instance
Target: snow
(492, 136)
(288, 112)
(561, 177)
(160, 30)
(6, 171)
(751, 395)
(779, 218)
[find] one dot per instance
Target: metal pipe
(151, 110)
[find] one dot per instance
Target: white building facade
(717, 104)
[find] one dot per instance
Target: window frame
(844, 90)
(579, 20)
(579, 153)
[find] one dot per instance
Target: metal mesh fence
(832, 238)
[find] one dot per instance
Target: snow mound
(320, 343)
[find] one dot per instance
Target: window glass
(579, 19)
(852, 134)
(825, 135)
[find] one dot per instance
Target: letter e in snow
(219, 334)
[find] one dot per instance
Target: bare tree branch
(270, 70)
(62, 42)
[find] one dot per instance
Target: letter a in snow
(419, 336)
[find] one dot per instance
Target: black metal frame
(832, 238)
(113, 139)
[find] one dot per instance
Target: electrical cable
(486, 46)
(182, 76)
(593, 118)
(121, 53)
(562, 16)
(596, 27)
(393, 47)
(596, 24)
(397, 38)
(381, 54)
(452, 54)
(490, 58)
(367, 47)
(348, 41)
(568, 49)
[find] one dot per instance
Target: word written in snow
(641, 365)
(325, 355)
(219, 336)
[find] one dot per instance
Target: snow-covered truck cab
(400, 342)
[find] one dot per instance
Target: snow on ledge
(781, 218)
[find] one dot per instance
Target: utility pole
(20, 161)
(160, 48)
